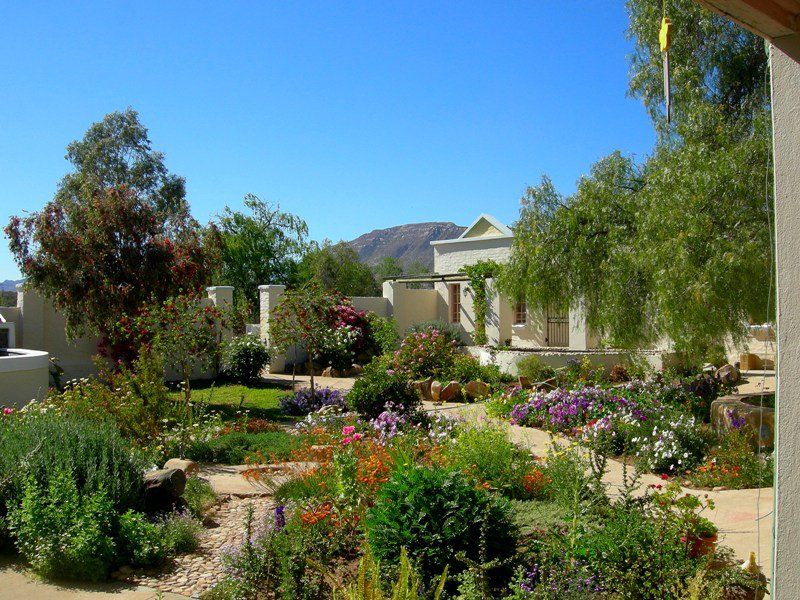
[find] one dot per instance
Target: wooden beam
(778, 21)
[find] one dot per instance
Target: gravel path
(192, 574)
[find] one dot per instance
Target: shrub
(450, 331)
(62, 532)
(235, 448)
(435, 514)
(136, 399)
(383, 331)
(180, 534)
(466, 367)
(532, 368)
(487, 454)
(619, 374)
(243, 358)
(38, 445)
(141, 542)
(303, 401)
(675, 444)
(425, 354)
(275, 559)
(199, 496)
(378, 385)
(734, 465)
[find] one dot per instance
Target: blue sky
(353, 116)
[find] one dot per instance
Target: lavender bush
(302, 402)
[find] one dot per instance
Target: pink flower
(348, 430)
(390, 372)
(357, 437)
(8, 411)
(346, 440)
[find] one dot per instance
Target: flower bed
(654, 423)
(446, 505)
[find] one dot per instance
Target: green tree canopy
(117, 152)
(336, 267)
(259, 248)
(117, 234)
(676, 246)
(389, 266)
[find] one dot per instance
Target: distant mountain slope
(408, 243)
(9, 285)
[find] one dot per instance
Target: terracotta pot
(700, 546)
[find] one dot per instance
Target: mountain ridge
(407, 243)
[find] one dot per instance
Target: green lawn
(263, 401)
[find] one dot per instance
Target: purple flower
(280, 518)
(301, 403)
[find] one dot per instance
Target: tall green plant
(478, 274)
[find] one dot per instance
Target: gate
(557, 328)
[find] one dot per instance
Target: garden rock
(450, 392)
(423, 386)
(436, 390)
(476, 389)
(751, 362)
(330, 372)
(163, 489)
(728, 374)
(356, 370)
(187, 466)
(330, 409)
(728, 412)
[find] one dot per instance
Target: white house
(452, 298)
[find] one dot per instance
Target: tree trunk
(187, 392)
(311, 371)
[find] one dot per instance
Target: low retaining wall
(24, 376)
(507, 359)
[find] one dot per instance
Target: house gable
(486, 226)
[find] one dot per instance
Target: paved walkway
(16, 584)
(302, 381)
(744, 517)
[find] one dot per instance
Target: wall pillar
(786, 139)
(578, 334)
(268, 296)
(221, 296)
(31, 307)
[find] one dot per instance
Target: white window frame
(520, 313)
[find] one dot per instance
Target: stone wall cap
(214, 288)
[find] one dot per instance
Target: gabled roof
(485, 227)
(479, 224)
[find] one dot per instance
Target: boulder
(450, 392)
(436, 390)
(744, 410)
(476, 390)
(356, 370)
(329, 409)
(750, 362)
(326, 372)
(187, 466)
(423, 387)
(728, 375)
(163, 489)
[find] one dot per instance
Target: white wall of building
(786, 133)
